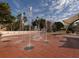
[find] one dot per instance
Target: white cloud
(36, 10)
(60, 4)
(57, 5)
(56, 8)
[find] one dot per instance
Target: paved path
(14, 48)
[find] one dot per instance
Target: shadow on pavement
(74, 45)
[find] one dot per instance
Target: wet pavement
(13, 47)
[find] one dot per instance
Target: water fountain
(37, 37)
(46, 40)
(29, 45)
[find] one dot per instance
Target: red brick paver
(15, 48)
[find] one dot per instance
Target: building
(70, 23)
(71, 19)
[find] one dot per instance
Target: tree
(10, 23)
(6, 19)
(73, 27)
(20, 22)
(4, 9)
(57, 26)
(41, 23)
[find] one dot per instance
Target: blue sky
(55, 10)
